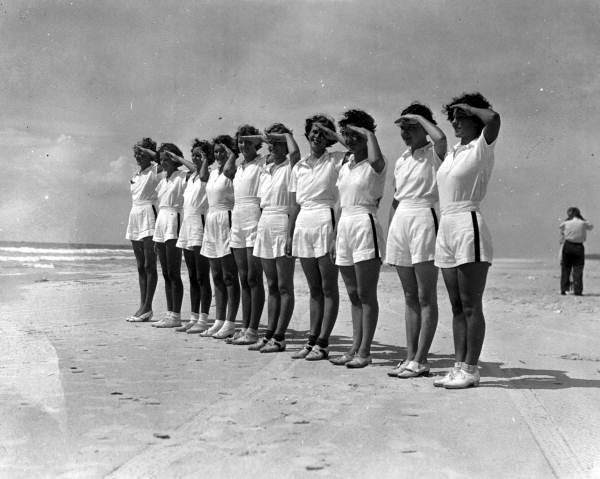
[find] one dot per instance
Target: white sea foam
(63, 251)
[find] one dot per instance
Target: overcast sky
(83, 80)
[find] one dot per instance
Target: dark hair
(357, 118)
(244, 130)
(170, 147)
(206, 147)
(277, 128)
(226, 140)
(475, 99)
(323, 120)
(573, 212)
(147, 143)
(416, 108)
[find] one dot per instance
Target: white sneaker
(463, 379)
(226, 330)
(199, 327)
(218, 324)
(441, 382)
(173, 322)
(162, 320)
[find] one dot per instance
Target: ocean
(22, 258)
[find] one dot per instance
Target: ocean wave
(63, 251)
(60, 259)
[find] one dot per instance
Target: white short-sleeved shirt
(143, 185)
(415, 177)
(194, 196)
(314, 180)
(219, 191)
(246, 179)
(274, 185)
(360, 185)
(465, 173)
(575, 230)
(170, 190)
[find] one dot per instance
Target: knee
(353, 295)
(427, 300)
(286, 290)
(411, 299)
(253, 281)
(315, 291)
(273, 287)
(174, 274)
(367, 295)
(229, 280)
(330, 289)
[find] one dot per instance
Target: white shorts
(244, 221)
(271, 235)
(359, 238)
(215, 243)
(191, 232)
(142, 221)
(313, 233)
(462, 238)
(167, 226)
(411, 237)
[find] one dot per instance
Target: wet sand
(84, 394)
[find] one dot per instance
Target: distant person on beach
(573, 234)
(412, 233)
(170, 204)
(464, 244)
(360, 244)
(244, 222)
(215, 242)
(140, 227)
(312, 232)
(195, 206)
(272, 234)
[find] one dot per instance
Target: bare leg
(220, 288)
(412, 309)
(459, 324)
(161, 251)
(241, 261)
(367, 278)
(230, 278)
(349, 277)
(151, 274)
(173, 254)
(190, 262)
(274, 304)
(426, 274)
(285, 280)
(138, 251)
(310, 267)
(257, 288)
(203, 276)
(471, 280)
(331, 293)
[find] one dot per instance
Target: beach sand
(84, 394)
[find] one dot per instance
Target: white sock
(194, 317)
(176, 316)
(204, 316)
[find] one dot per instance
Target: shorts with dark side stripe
(359, 238)
(411, 236)
(463, 238)
(167, 225)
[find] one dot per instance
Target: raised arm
(440, 144)
(204, 172)
(374, 155)
(331, 135)
(292, 146)
(187, 163)
(152, 154)
(489, 117)
(229, 168)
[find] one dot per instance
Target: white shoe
(226, 330)
(414, 369)
(441, 382)
(463, 379)
(218, 324)
(173, 322)
(162, 320)
(198, 327)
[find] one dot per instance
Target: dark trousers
(573, 257)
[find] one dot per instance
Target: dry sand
(84, 394)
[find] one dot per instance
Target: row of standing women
(240, 221)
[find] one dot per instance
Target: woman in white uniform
(464, 246)
(215, 242)
(359, 244)
(412, 233)
(170, 203)
(140, 227)
(272, 236)
(195, 206)
(244, 222)
(311, 232)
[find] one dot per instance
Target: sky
(84, 80)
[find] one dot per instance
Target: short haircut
(323, 120)
(416, 108)
(357, 118)
(244, 130)
(226, 140)
(147, 143)
(277, 128)
(206, 147)
(170, 147)
(475, 99)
